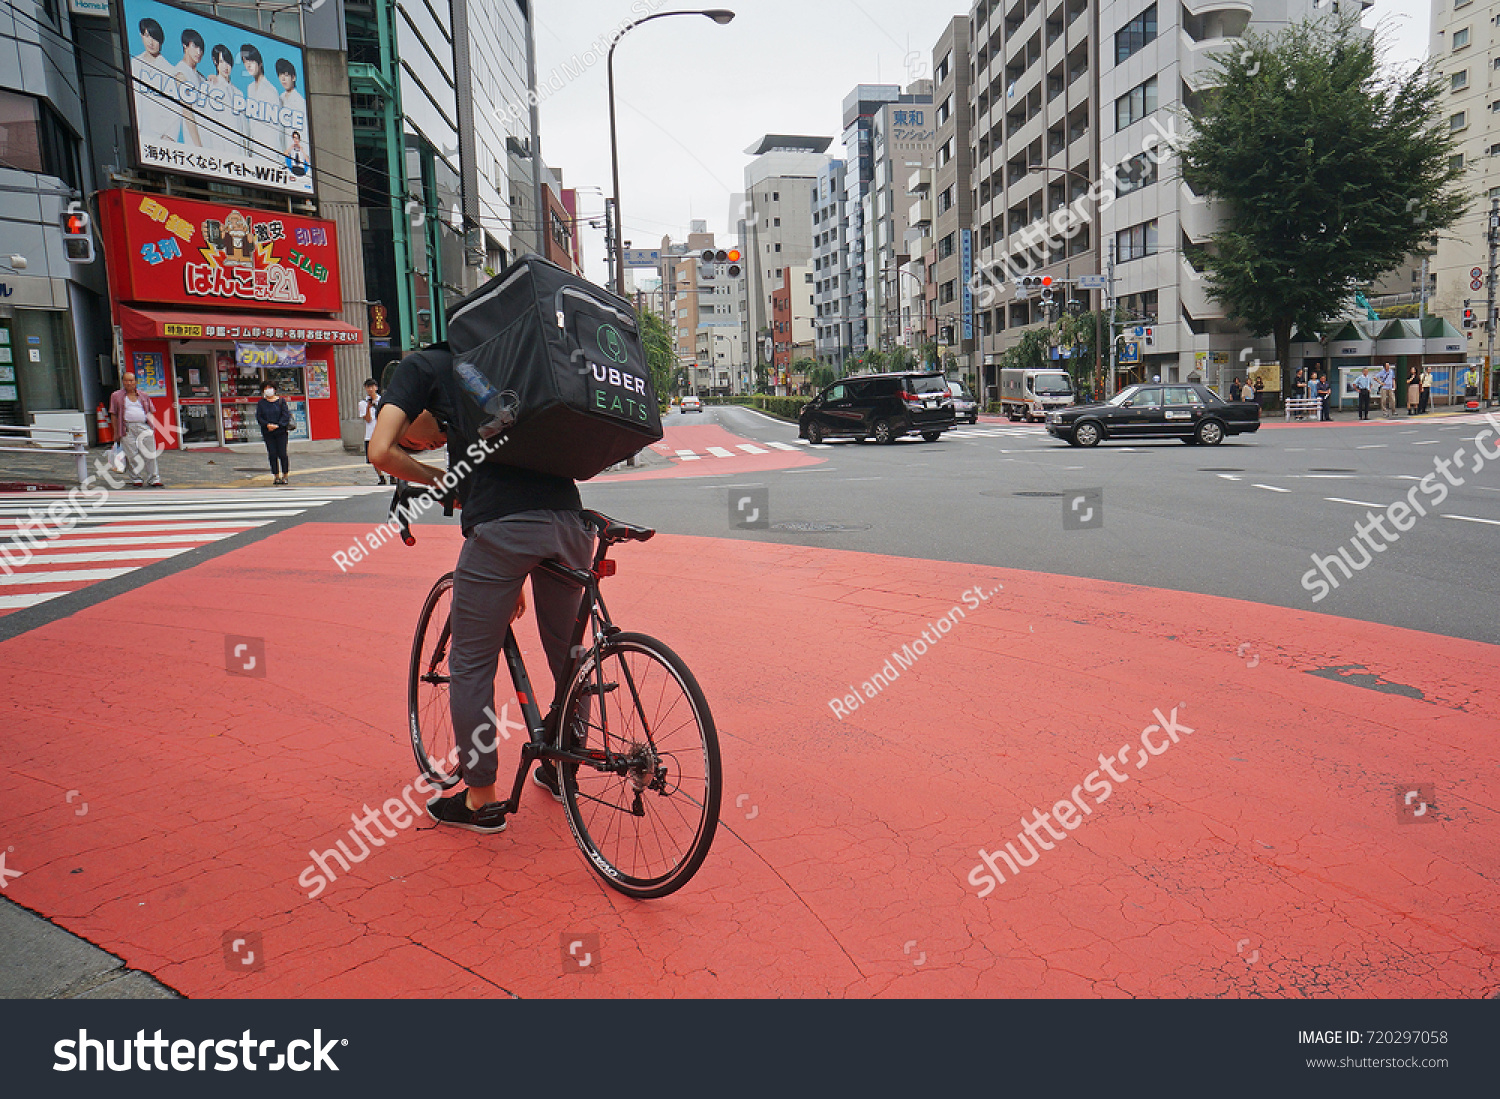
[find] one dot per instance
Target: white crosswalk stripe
(40, 548)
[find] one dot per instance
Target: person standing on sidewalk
(1325, 395)
(276, 424)
(1362, 390)
(1388, 392)
(132, 413)
(368, 408)
(1425, 401)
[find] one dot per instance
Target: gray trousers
(495, 561)
(140, 453)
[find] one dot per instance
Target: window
(778, 248)
(1458, 80)
(1456, 161)
(1135, 34)
(775, 196)
(945, 247)
(945, 201)
(33, 138)
(1459, 121)
(777, 222)
(1137, 242)
(1133, 174)
(1135, 104)
(1460, 39)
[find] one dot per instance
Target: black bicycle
(632, 737)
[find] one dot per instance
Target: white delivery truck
(1031, 394)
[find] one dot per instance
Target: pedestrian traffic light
(1149, 337)
(78, 241)
(1469, 319)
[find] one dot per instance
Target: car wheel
(814, 434)
(931, 436)
(883, 433)
(974, 420)
(1087, 434)
(1210, 433)
(1012, 417)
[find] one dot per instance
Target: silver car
(965, 407)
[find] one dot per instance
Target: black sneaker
(545, 776)
(488, 821)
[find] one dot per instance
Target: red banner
(166, 250)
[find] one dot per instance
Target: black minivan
(883, 407)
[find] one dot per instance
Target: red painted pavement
(698, 440)
(1263, 854)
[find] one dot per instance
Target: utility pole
(1489, 317)
(1114, 348)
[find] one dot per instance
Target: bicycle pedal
(597, 690)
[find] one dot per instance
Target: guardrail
(1299, 406)
(79, 441)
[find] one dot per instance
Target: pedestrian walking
(369, 406)
(276, 424)
(133, 413)
(1425, 400)
(1387, 385)
(1325, 395)
(1362, 391)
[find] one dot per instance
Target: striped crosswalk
(725, 452)
(44, 557)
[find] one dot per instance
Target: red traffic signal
(78, 242)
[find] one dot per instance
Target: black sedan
(1187, 411)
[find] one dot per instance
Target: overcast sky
(693, 95)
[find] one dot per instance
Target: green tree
(1031, 352)
(1330, 172)
(820, 377)
(661, 358)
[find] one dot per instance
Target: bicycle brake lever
(399, 514)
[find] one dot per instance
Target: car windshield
(931, 385)
(1053, 385)
(958, 390)
(1124, 395)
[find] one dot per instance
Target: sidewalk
(44, 962)
(320, 464)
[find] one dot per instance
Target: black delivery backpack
(554, 365)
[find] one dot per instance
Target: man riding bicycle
(513, 519)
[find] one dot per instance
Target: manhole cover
(1040, 495)
(798, 527)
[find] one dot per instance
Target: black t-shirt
(424, 382)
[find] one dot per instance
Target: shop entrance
(217, 394)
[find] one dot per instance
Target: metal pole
(1114, 366)
(1422, 301)
(614, 159)
(1489, 317)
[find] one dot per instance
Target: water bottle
(499, 407)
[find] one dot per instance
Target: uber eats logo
(612, 344)
(619, 393)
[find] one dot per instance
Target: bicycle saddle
(614, 532)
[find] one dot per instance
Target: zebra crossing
(726, 452)
(48, 549)
(981, 431)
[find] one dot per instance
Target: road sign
(1093, 282)
(1477, 273)
(643, 257)
(1131, 355)
(1476, 284)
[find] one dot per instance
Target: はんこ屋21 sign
(166, 250)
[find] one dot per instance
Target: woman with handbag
(276, 424)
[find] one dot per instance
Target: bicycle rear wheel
(645, 809)
(429, 720)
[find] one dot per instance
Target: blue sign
(966, 252)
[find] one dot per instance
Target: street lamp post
(718, 15)
(1036, 166)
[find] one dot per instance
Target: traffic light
(1031, 284)
(1148, 337)
(735, 258)
(78, 241)
(1469, 319)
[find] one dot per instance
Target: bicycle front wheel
(428, 718)
(645, 807)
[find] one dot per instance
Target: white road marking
(1354, 503)
(1272, 488)
(66, 577)
(750, 448)
(1471, 519)
(720, 452)
(16, 602)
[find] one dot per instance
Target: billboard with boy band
(215, 99)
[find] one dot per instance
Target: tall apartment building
(1465, 52)
(1155, 56)
(834, 331)
(853, 307)
(792, 332)
(778, 229)
(1035, 117)
(950, 314)
(902, 141)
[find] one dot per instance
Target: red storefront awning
(152, 324)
